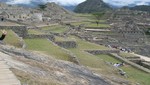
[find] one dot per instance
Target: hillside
(33, 68)
(141, 8)
(92, 6)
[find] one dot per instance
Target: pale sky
(62, 2)
(75, 2)
(127, 2)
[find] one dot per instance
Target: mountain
(90, 6)
(141, 8)
(71, 8)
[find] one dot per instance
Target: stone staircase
(6, 76)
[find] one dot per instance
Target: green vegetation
(84, 57)
(42, 6)
(98, 26)
(12, 39)
(126, 54)
(108, 58)
(96, 63)
(133, 74)
(55, 29)
(136, 75)
(47, 47)
(80, 23)
(64, 39)
(34, 31)
(98, 16)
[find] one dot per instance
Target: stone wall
(67, 44)
(130, 63)
(146, 64)
(21, 31)
(32, 36)
(98, 52)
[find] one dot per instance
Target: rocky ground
(34, 68)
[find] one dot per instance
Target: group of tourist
(120, 48)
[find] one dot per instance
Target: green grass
(79, 23)
(12, 39)
(108, 58)
(84, 45)
(47, 47)
(137, 75)
(55, 29)
(97, 62)
(133, 74)
(64, 39)
(34, 31)
(99, 25)
(84, 57)
(126, 54)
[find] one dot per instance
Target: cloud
(127, 2)
(61, 2)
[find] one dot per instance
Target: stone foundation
(21, 31)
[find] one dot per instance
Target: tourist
(4, 33)
(119, 64)
(116, 64)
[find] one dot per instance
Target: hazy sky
(62, 2)
(127, 2)
(74, 2)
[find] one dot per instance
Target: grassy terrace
(99, 25)
(133, 74)
(87, 59)
(64, 39)
(91, 24)
(34, 31)
(84, 57)
(46, 47)
(55, 29)
(12, 39)
(126, 54)
(97, 63)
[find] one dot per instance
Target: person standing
(4, 33)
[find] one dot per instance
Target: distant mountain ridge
(141, 8)
(71, 8)
(90, 6)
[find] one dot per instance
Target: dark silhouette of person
(4, 33)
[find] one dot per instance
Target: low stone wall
(130, 63)
(67, 44)
(98, 52)
(32, 36)
(146, 65)
(21, 31)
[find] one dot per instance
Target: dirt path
(142, 57)
(6, 76)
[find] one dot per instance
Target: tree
(42, 6)
(98, 16)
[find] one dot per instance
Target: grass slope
(47, 47)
